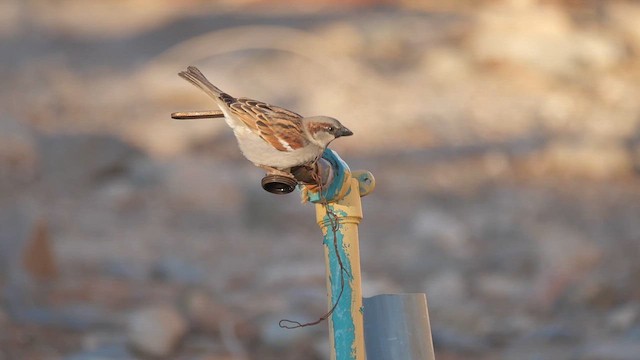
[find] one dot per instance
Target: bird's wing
(279, 127)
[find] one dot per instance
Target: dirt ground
(504, 137)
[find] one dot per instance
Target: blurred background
(504, 136)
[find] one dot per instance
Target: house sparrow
(273, 138)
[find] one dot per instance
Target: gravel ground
(503, 137)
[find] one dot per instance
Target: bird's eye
(330, 128)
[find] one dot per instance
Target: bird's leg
(273, 171)
(306, 174)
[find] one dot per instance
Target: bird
(271, 137)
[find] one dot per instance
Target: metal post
(338, 212)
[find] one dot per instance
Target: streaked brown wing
(279, 127)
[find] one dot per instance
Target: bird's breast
(259, 152)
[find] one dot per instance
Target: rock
(38, 257)
(445, 288)
(597, 160)
(322, 347)
(521, 34)
(623, 317)
(80, 317)
(446, 65)
(18, 226)
(597, 51)
(453, 340)
(343, 39)
(499, 286)
(97, 339)
(126, 270)
(552, 341)
(275, 336)
(3, 318)
(542, 37)
(178, 270)
(624, 17)
(156, 330)
(597, 291)
(445, 230)
(203, 312)
(18, 152)
(202, 343)
(539, 351)
(633, 334)
(12, 14)
(27, 257)
(74, 161)
(566, 255)
(552, 333)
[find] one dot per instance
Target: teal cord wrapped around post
(335, 190)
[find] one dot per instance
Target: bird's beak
(343, 131)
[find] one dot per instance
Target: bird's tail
(195, 76)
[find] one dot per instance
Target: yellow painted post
(344, 285)
(338, 213)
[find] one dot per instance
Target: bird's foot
(273, 171)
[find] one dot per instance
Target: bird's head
(323, 129)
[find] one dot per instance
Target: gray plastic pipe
(396, 327)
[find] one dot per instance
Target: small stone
(105, 352)
(444, 288)
(453, 340)
(549, 341)
(126, 270)
(446, 65)
(372, 286)
(624, 17)
(596, 51)
(202, 343)
(541, 37)
(156, 330)
(18, 151)
(38, 257)
(3, 318)
(73, 162)
(444, 229)
(97, 339)
(10, 18)
(203, 312)
(552, 333)
(18, 229)
(79, 317)
(277, 337)
(623, 317)
(178, 270)
(566, 255)
(322, 346)
(343, 38)
(633, 334)
(498, 286)
(598, 160)
(537, 351)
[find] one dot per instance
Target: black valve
(278, 184)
